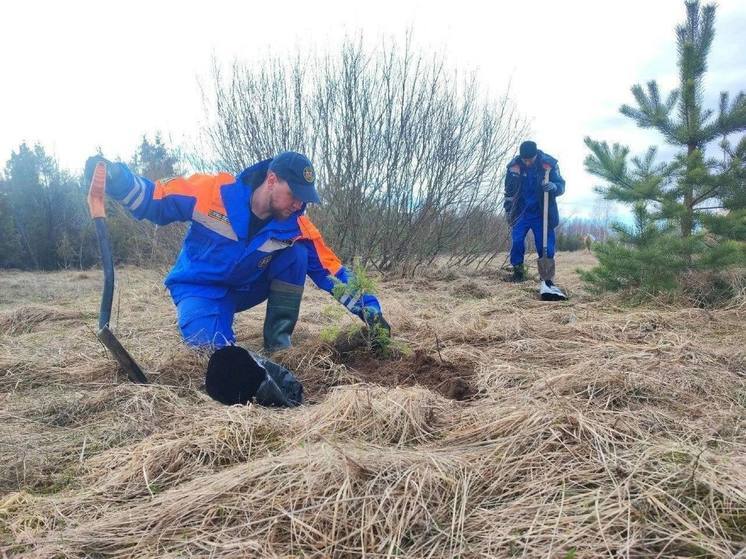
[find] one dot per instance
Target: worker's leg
(518, 239)
(282, 287)
(546, 267)
(537, 226)
(206, 322)
(287, 274)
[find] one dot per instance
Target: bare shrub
(409, 154)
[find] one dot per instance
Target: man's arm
(512, 185)
(163, 201)
(556, 178)
(323, 264)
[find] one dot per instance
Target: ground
(499, 426)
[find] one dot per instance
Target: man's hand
(378, 328)
(550, 187)
(90, 166)
(375, 321)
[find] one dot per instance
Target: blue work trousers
(209, 322)
(519, 232)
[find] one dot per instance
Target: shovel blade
(133, 370)
(546, 268)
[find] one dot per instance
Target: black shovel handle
(107, 337)
(107, 261)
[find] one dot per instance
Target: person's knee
(205, 325)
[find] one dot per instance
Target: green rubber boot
(283, 306)
(519, 274)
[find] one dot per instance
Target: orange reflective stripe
(327, 257)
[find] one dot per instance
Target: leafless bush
(409, 154)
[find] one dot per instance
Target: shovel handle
(545, 233)
(97, 207)
(96, 191)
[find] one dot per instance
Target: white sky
(77, 75)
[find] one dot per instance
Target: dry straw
(595, 430)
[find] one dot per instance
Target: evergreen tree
(731, 225)
(154, 160)
(9, 242)
(141, 242)
(690, 212)
(43, 214)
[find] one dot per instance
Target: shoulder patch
(515, 169)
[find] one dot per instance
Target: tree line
(44, 220)
(409, 155)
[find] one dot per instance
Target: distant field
(503, 427)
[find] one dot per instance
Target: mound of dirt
(471, 289)
(444, 377)
(398, 369)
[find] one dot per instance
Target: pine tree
(142, 242)
(155, 160)
(43, 214)
(690, 212)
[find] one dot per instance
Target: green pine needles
(690, 212)
(376, 337)
(359, 283)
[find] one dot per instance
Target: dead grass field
(508, 428)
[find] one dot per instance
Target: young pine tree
(690, 212)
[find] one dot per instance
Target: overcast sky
(77, 75)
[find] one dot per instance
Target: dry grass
(595, 429)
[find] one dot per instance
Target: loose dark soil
(451, 381)
(397, 369)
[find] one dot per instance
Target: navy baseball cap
(297, 170)
(528, 150)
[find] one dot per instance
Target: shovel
(547, 290)
(105, 335)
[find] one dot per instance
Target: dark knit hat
(527, 149)
(233, 377)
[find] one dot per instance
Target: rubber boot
(280, 387)
(283, 306)
(519, 274)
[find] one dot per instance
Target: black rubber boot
(519, 274)
(283, 306)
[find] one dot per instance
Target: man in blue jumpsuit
(249, 241)
(524, 205)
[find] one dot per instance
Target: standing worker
(530, 175)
